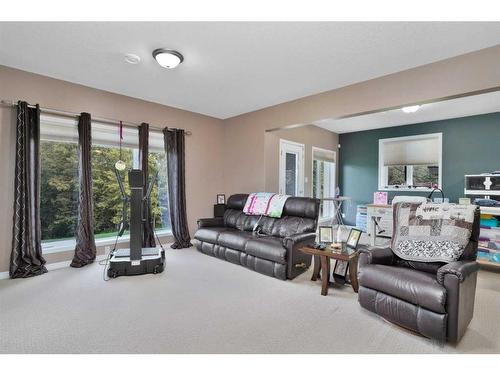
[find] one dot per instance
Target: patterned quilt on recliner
(431, 232)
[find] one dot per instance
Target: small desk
(322, 259)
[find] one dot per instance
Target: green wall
(470, 145)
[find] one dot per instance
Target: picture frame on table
(325, 235)
(340, 271)
(353, 238)
(221, 198)
(341, 266)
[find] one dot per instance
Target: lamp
(167, 58)
(410, 109)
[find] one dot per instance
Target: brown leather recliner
(435, 300)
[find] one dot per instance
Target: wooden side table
(322, 262)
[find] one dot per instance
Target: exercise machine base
(153, 261)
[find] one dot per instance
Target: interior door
(291, 171)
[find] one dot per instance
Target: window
(323, 180)
(59, 180)
(408, 163)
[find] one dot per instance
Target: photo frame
(221, 198)
(340, 271)
(353, 238)
(325, 235)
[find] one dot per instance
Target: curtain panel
(148, 238)
(26, 257)
(85, 249)
(175, 150)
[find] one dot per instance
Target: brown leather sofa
(435, 300)
(275, 250)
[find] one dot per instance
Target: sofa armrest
(376, 255)
(211, 222)
(301, 239)
(461, 269)
(297, 261)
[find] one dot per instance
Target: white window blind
(423, 151)
(56, 128)
(65, 129)
(108, 135)
(156, 143)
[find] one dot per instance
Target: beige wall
(245, 134)
(229, 156)
(204, 158)
(311, 136)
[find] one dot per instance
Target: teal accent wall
(470, 145)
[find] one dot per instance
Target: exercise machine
(136, 260)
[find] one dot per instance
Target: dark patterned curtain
(26, 258)
(174, 148)
(85, 251)
(148, 239)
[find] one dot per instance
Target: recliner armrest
(211, 222)
(377, 255)
(296, 239)
(461, 269)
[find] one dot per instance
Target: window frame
(383, 169)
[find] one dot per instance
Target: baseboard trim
(52, 266)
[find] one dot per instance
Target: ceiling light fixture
(410, 109)
(132, 59)
(167, 58)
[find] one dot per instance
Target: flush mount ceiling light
(410, 109)
(132, 59)
(167, 58)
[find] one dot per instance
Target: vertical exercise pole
(135, 182)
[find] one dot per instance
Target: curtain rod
(10, 103)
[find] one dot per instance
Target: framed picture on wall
(221, 199)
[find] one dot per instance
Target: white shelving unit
(487, 186)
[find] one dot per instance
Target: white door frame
(299, 149)
(314, 148)
(333, 177)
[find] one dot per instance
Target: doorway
(323, 180)
(291, 170)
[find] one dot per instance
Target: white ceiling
(447, 109)
(233, 68)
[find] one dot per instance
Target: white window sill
(69, 245)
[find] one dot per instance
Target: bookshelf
(487, 186)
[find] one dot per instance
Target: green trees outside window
(59, 189)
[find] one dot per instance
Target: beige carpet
(204, 305)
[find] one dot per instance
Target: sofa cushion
(234, 239)
(270, 248)
(419, 288)
(237, 201)
(209, 234)
(237, 219)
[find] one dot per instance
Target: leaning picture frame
(221, 199)
(325, 235)
(353, 238)
(340, 271)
